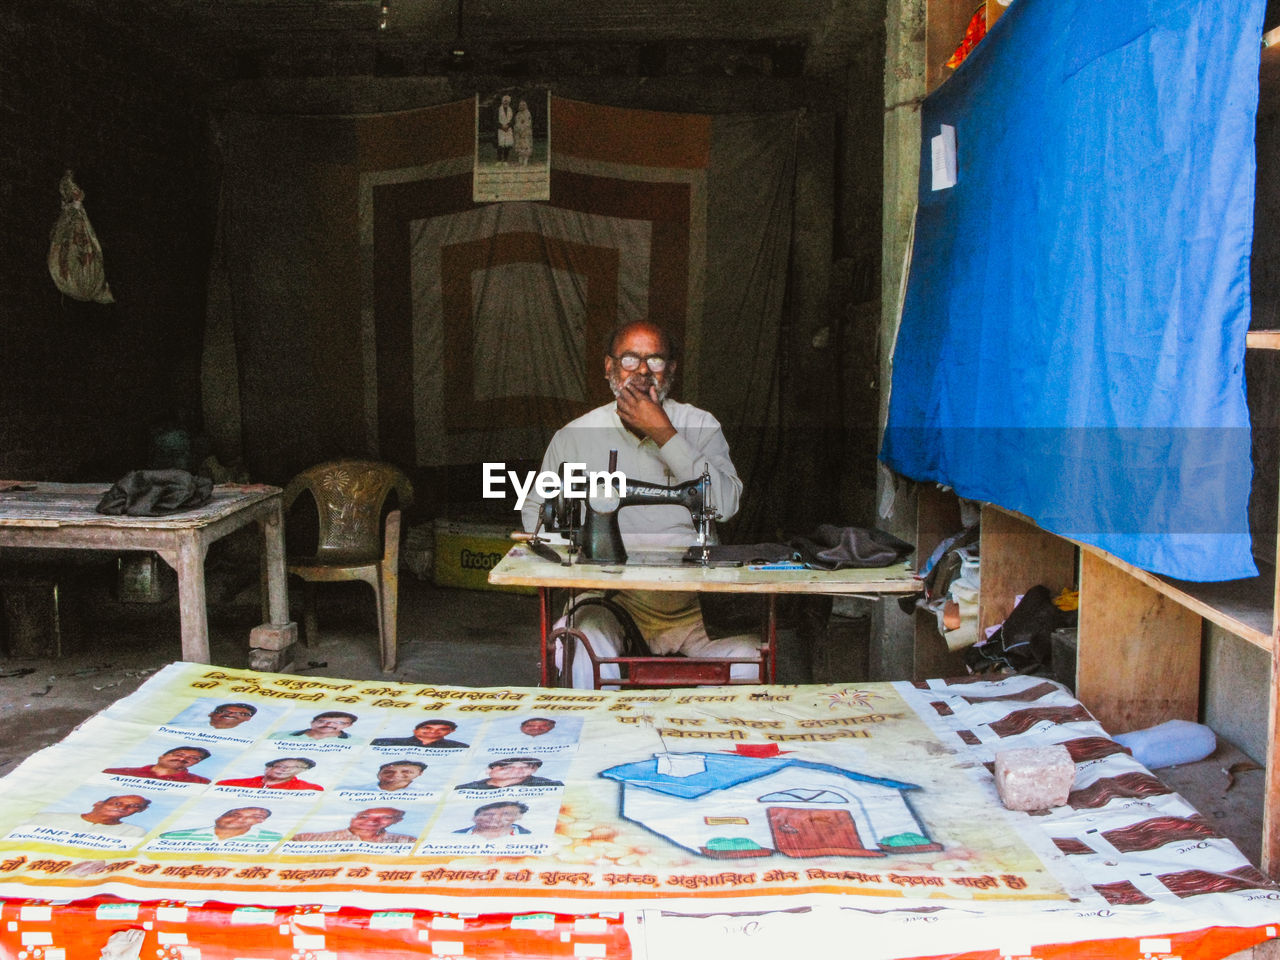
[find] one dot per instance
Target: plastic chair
(350, 497)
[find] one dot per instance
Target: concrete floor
(447, 636)
(459, 637)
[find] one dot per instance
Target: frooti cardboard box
(466, 551)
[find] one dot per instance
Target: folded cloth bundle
(828, 548)
(154, 493)
(836, 548)
(1024, 642)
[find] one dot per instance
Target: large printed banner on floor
(267, 788)
(869, 809)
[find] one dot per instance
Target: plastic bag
(75, 256)
(1022, 644)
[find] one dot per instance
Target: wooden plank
(1138, 662)
(944, 29)
(1244, 607)
(931, 659)
(937, 517)
(1271, 800)
(44, 504)
(1263, 339)
(1017, 555)
(521, 567)
(995, 8)
(1275, 605)
(1247, 608)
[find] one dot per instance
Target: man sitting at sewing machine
(661, 441)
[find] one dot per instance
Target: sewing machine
(597, 538)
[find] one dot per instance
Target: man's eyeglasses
(630, 362)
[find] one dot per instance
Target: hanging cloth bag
(75, 256)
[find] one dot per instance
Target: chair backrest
(350, 496)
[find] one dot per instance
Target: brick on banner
(1034, 778)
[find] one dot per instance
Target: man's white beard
(616, 383)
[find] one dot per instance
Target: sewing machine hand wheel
(560, 515)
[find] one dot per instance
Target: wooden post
(1138, 662)
(1016, 556)
(271, 532)
(1271, 795)
(994, 9)
(192, 612)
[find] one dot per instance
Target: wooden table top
(521, 567)
(37, 503)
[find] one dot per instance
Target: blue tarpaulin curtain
(1072, 338)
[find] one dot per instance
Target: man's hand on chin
(642, 414)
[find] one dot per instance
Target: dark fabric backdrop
(364, 305)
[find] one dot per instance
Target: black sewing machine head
(591, 524)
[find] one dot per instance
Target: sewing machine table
(522, 567)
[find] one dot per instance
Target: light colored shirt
(207, 835)
(410, 787)
(306, 735)
(330, 836)
(515, 830)
(699, 441)
(260, 783)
